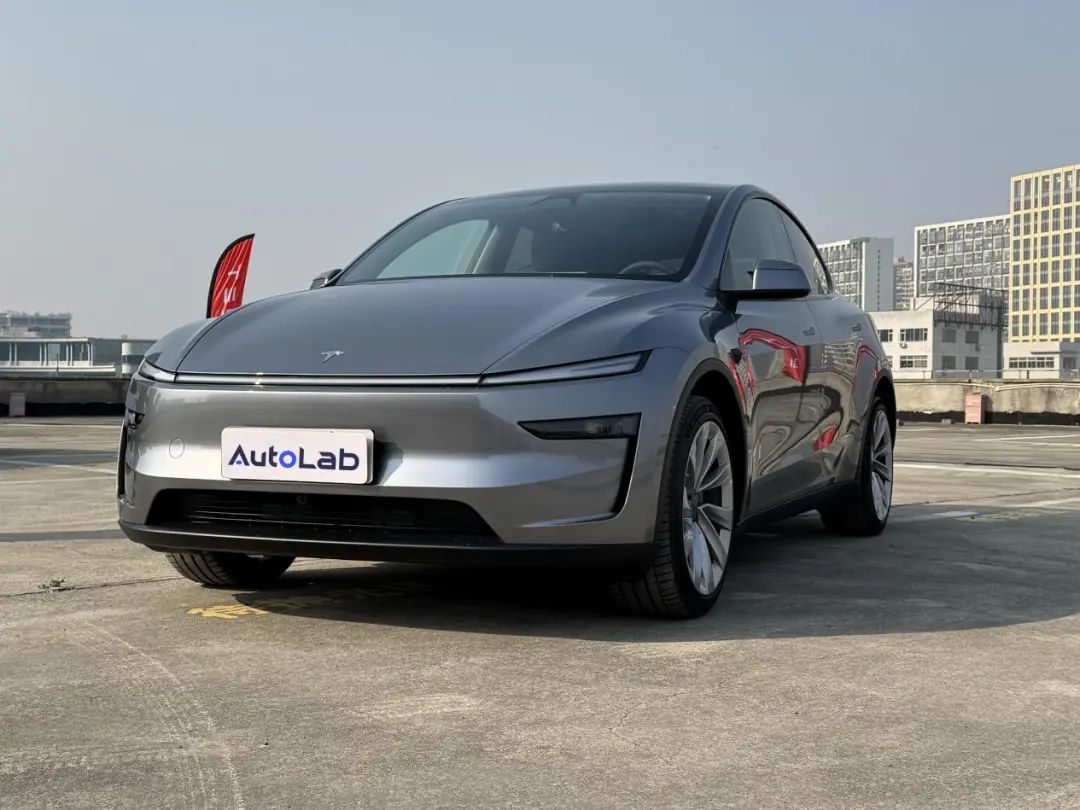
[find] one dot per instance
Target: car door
(827, 403)
(773, 338)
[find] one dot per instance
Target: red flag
(230, 273)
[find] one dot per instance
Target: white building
(862, 270)
(932, 341)
(26, 324)
(1042, 360)
(903, 283)
(974, 252)
(108, 357)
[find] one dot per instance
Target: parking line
(1028, 438)
(934, 516)
(973, 468)
(7, 482)
(18, 464)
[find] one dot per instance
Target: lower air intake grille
(360, 518)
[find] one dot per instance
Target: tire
(681, 583)
(228, 570)
(865, 512)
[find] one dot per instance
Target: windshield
(608, 234)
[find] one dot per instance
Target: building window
(914, 334)
(1068, 362)
(1044, 272)
(1041, 361)
(55, 354)
(1043, 322)
(1044, 298)
(913, 361)
(948, 362)
(1066, 269)
(1055, 245)
(1053, 323)
(885, 335)
(1026, 329)
(1056, 220)
(1055, 297)
(29, 352)
(1055, 271)
(948, 335)
(971, 363)
(1076, 297)
(971, 337)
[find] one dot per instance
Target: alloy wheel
(707, 508)
(881, 465)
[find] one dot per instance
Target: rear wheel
(866, 511)
(696, 516)
(224, 569)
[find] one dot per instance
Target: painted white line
(934, 516)
(972, 468)
(18, 464)
(1057, 502)
(38, 456)
(1054, 444)
(59, 424)
(1028, 438)
(7, 482)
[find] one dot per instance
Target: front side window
(806, 256)
(599, 234)
(758, 233)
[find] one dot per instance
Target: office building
(903, 283)
(972, 252)
(862, 270)
(1044, 283)
(24, 324)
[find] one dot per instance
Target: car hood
(431, 326)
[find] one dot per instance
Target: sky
(138, 139)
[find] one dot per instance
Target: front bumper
(459, 444)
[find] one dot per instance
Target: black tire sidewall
(696, 412)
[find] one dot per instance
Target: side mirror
(325, 279)
(774, 278)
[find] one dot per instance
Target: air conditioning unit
(903, 345)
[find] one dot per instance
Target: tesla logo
(331, 355)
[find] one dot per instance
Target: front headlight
(148, 371)
(605, 367)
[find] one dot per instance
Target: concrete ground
(935, 666)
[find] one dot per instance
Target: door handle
(808, 332)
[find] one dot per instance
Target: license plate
(297, 454)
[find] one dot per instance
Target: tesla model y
(625, 376)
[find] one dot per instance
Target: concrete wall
(1006, 401)
(69, 394)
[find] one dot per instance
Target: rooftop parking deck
(934, 666)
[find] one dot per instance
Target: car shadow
(923, 574)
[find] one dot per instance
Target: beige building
(1044, 282)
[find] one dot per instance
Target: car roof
(684, 188)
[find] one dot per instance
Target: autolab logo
(288, 459)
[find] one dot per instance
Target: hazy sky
(137, 139)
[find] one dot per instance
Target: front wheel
(228, 570)
(866, 511)
(695, 519)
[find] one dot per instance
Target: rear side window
(806, 256)
(758, 233)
